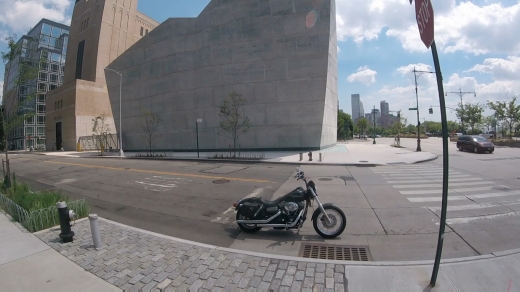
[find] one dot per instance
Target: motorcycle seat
(268, 203)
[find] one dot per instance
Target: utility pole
(461, 94)
(417, 74)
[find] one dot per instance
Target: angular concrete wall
(280, 55)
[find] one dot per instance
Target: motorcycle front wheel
(327, 229)
(249, 228)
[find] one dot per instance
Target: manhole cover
(325, 179)
(220, 181)
(335, 252)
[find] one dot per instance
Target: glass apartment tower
(44, 46)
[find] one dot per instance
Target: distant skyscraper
(361, 109)
(385, 112)
(356, 107)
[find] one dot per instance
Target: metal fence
(94, 142)
(43, 218)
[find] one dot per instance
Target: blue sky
(378, 43)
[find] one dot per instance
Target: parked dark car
(475, 144)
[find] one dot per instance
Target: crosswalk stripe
(422, 180)
(475, 206)
(453, 174)
(437, 185)
(459, 198)
(424, 192)
(406, 171)
(471, 219)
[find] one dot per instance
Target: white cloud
(469, 28)
(465, 27)
(500, 69)
(504, 84)
(363, 75)
(17, 16)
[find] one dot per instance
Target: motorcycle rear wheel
(249, 228)
(326, 229)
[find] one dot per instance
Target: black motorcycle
(290, 211)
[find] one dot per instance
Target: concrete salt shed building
(280, 55)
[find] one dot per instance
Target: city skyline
(378, 45)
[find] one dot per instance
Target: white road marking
(476, 206)
(437, 185)
(463, 220)
(424, 192)
(410, 171)
(66, 181)
(458, 198)
(225, 217)
(161, 183)
(453, 174)
(422, 180)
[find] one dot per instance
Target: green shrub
(22, 195)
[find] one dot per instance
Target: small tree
(488, 122)
(21, 69)
(509, 112)
(471, 114)
(345, 125)
(150, 123)
(100, 129)
(362, 124)
(232, 121)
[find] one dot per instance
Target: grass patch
(36, 210)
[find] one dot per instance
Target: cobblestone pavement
(139, 261)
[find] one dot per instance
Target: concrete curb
(261, 161)
(299, 259)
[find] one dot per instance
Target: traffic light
(431, 111)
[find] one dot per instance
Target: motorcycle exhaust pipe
(274, 225)
(261, 221)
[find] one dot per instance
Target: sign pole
(445, 165)
(425, 22)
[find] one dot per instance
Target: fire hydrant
(65, 216)
(310, 156)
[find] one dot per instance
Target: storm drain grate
(335, 252)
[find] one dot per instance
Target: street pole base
(67, 237)
(374, 142)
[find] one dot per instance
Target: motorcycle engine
(291, 208)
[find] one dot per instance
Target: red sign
(424, 16)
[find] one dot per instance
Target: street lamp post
(197, 129)
(461, 94)
(120, 125)
(417, 100)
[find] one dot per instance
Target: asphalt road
(393, 210)
(175, 198)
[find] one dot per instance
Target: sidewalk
(354, 153)
(28, 264)
(136, 260)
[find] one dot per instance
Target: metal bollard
(94, 228)
(321, 157)
(65, 216)
(310, 156)
(301, 156)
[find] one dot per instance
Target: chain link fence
(43, 218)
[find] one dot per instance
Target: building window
(29, 120)
(79, 59)
(56, 32)
(41, 131)
(55, 67)
(142, 31)
(46, 29)
(54, 78)
(42, 87)
(40, 109)
(40, 120)
(41, 97)
(52, 86)
(42, 76)
(29, 131)
(44, 66)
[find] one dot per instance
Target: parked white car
(491, 135)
